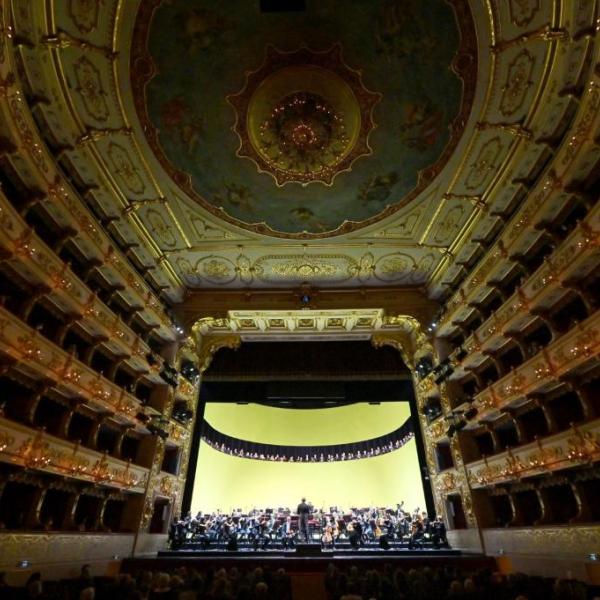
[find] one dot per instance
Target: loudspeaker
(384, 543)
(303, 549)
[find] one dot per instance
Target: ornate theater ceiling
(281, 89)
(381, 143)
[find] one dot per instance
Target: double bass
(329, 535)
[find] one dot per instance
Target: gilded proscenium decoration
(288, 322)
(304, 116)
(207, 346)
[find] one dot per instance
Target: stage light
(182, 413)
(190, 371)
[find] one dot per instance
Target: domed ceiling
(353, 144)
(315, 121)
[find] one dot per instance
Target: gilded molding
(61, 40)
(576, 541)
(49, 548)
(545, 33)
(39, 451)
(208, 346)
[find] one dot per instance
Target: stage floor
(315, 563)
(312, 548)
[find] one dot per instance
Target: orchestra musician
(438, 533)
(304, 511)
(286, 533)
(261, 528)
(417, 532)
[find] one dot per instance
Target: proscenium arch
(402, 332)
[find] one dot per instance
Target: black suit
(303, 511)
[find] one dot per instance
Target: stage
(295, 562)
(312, 549)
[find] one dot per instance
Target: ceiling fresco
(85, 83)
(299, 122)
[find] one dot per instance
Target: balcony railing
(37, 450)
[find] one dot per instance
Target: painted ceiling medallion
(304, 116)
(259, 119)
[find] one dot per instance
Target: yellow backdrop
(225, 482)
(306, 427)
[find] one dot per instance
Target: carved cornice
(208, 346)
(216, 304)
(409, 340)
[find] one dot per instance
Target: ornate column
(521, 436)
(495, 439)
(500, 368)
(98, 518)
(65, 422)
(92, 440)
(68, 523)
(88, 355)
(545, 507)
(584, 511)
(31, 404)
(117, 450)
(584, 395)
(32, 518)
(412, 344)
(28, 303)
(538, 400)
(201, 349)
(62, 331)
(517, 517)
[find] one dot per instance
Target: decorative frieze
(37, 450)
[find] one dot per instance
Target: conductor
(303, 511)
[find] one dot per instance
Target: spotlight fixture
(182, 413)
(190, 371)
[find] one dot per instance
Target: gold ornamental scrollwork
(583, 446)
(410, 341)
(6, 440)
(438, 429)
(208, 346)
(400, 341)
(447, 483)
